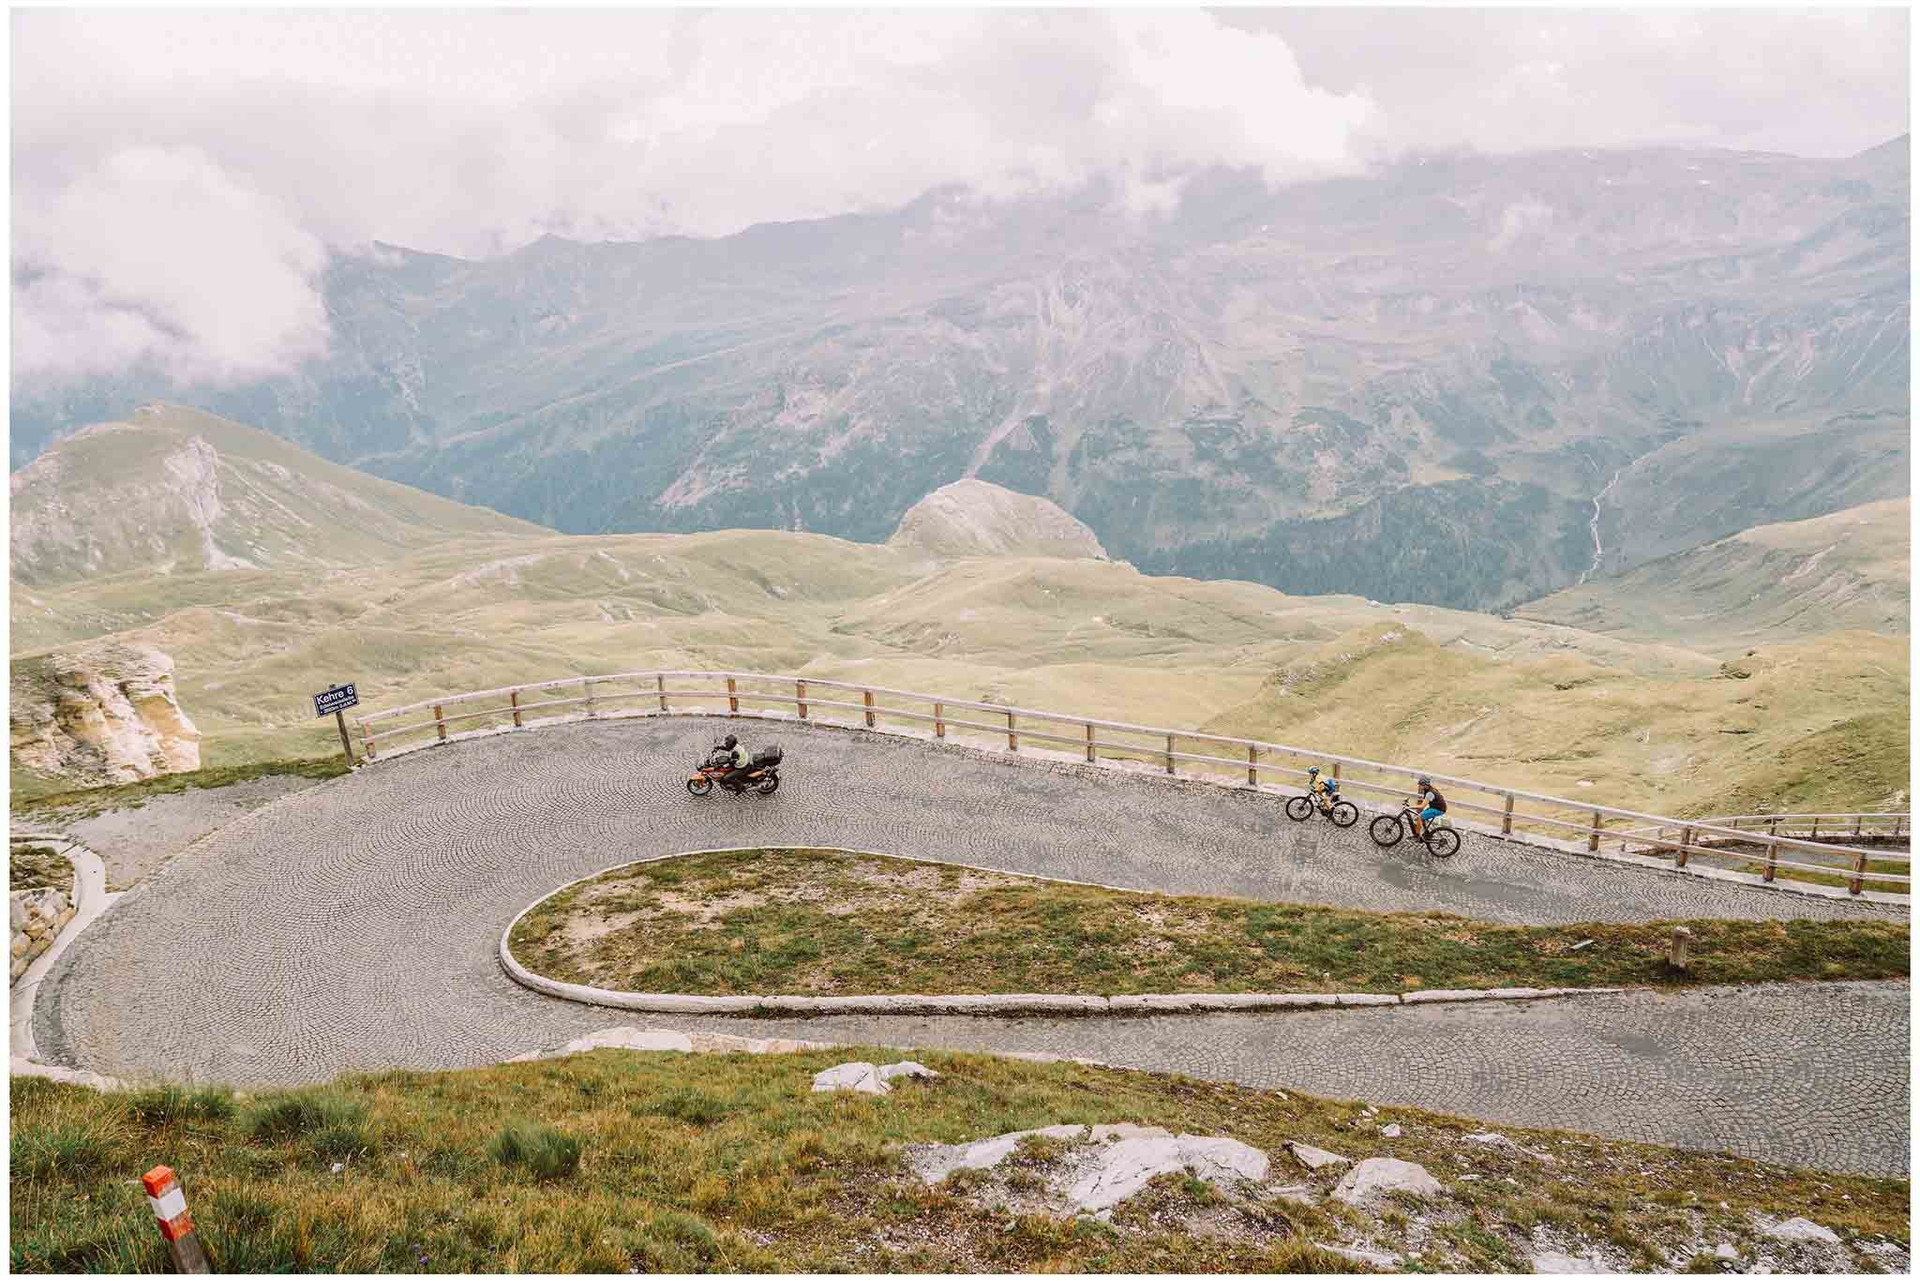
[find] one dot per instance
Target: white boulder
(861, 1078)
(1798, 1229)
(1315, 1158)
(1376, 1176)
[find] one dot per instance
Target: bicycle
(1342, 813)
(1389, 829)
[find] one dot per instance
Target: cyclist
(1324, 791)
(1433, 806)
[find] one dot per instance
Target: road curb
(983, 1003)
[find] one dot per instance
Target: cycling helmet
(734, 742)
(1425, 781)
(1312, 770)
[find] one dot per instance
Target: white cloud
(158, 256)
(175, 174)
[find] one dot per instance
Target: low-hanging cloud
(180, 179)
(157, 257)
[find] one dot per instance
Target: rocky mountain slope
(103, 713)
(1410, 385)
(177, 491)
(1852, 569)
(974, 518)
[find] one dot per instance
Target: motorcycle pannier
(768, 755)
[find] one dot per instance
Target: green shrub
(539, 1148)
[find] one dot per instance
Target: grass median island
(665, 1162)
(828, 923)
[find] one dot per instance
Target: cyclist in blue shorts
(1433, 806)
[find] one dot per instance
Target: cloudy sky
(180, 181)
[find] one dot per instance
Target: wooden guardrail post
(513, 701)
(1773, 826)
(1898, 821)
(1013, 739)
(1856, 824)
(869, 701)
(1336, 771)
(1169, 753)
(1506, 817)
(1686, 839)
(939, 725)
(1859, 872)
(1678, 946)
(733, 700)
(1253, 766)
(586, 684)
(366, 739)
(1813, 828)
(1089, 742)
(800, 697)
(1593, 837)
(440, 722)
(660, 683)
(1773, 855)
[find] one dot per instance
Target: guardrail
(1557, 821)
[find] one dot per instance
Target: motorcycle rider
(1433, 806)
(737, 758)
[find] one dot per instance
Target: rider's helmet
(732, 742)
(1425, 781)
(1312, 770)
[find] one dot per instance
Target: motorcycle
(1440, 838)
(763, 772)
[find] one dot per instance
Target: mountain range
(1459, 380)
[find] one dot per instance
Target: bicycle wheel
(1444, 842)
(700, 785)
(1298, 808)
(1386, 831)
(1345, 814)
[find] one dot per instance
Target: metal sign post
(337, 699)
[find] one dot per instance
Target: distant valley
(1460, 381)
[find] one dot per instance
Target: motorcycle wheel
(1345, 814)
(1386, 831)
(1298, 808)
(768, 785)
(1444, 842)
(700, 785)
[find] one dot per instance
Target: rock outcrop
(973, 518)
(1100, 1167)
(100, 714)
(36, 918)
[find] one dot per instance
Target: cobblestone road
(354, 925)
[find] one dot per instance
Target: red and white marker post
(176, 1225)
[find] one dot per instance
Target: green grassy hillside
(435, 602)
(174, 490)
(1849, 570)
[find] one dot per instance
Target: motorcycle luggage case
(768, 755)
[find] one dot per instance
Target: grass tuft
(540, 1149)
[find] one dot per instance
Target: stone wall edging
(1049, 1003)
(43, 914)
